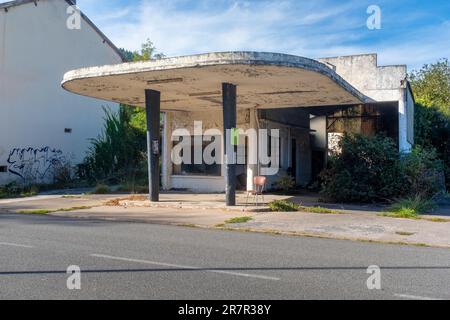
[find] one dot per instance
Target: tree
(431, 86)
(148, 52)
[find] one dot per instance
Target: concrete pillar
(229, 123)
(298, 164)
(166, 160)
(403, 143)
(252, 156)
(304, 171)
(153, 107)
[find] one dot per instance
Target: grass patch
(402, 213)
(404, 233)
(283, 206)
(286, 206)
(47, 211)
(39, 211)
(239, 220)
(410, 208)
(28, 194)
(416, 205)
(73, 209)
(320, 210)
(435, 219)
(188, 225)
(12, 191)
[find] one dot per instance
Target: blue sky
(413, 32)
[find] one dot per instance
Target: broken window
(197, 168)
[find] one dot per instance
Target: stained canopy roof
(193, 83)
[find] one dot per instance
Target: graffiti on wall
(35, 164)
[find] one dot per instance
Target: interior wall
(367, 119)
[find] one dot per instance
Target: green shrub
(283, 206)
(423, 172)
(431, 87)
(101, 189)
(133, 188)
(410, 207)
(367, 169)
(14, 190)
(432, 131)
(285, 183)
(118, 154)
(371, 169)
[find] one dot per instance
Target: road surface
(142, 261)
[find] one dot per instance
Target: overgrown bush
(101, 189)
(14, 190)
(423, 172)
(285, 183)
(371, 169)
(63, 174)
(366, 169)
(118, 155)
(431, 86)
(432, 130)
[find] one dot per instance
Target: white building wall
(386, 83)
(36, 49)
(185, 121)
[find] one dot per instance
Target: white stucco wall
(36, 49)
(319, 132)
(381, 83)
(185, 121)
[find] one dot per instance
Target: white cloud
(238, 25)
(308, 28)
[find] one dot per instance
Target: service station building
(311, 103)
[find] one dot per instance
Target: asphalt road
(143, 261)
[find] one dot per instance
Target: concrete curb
(180, 205)
(228, 227)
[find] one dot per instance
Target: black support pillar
(153, 107)
(229, 123)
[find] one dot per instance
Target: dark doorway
(294, 159)
(318, 163)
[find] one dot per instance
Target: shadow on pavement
(399, 268)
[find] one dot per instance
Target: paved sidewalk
(208, 211)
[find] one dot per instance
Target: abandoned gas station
(310, 102)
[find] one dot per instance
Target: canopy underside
(194, 83)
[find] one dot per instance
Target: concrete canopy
(193, 83)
